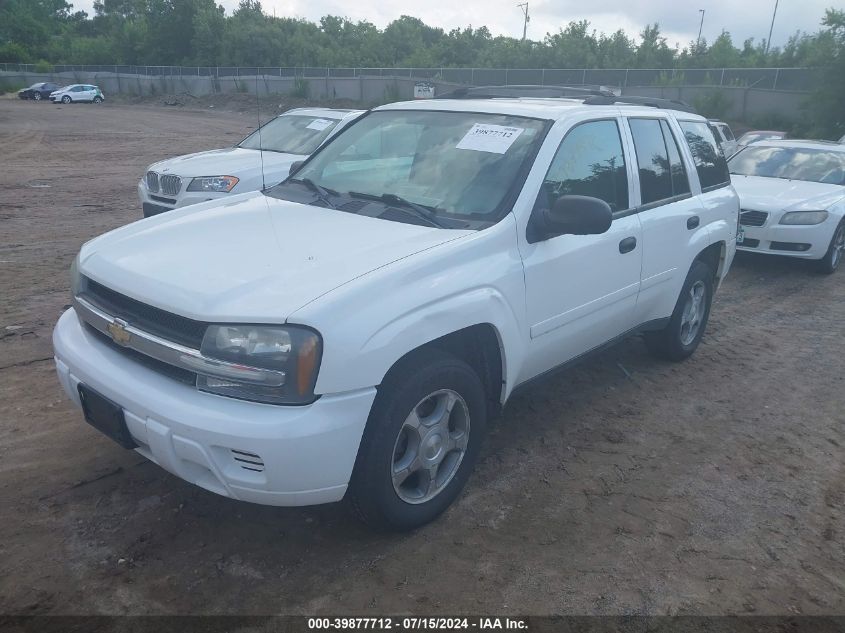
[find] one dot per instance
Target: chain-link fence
(798, 79)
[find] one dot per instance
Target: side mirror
(294, 167)
(570, 215)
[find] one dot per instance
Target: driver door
(581, 290)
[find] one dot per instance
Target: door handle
(693, 222)
(627, 245)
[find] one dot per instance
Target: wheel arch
(715, 256)
(480, 346)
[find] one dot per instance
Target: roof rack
(652, 102)
(515, 91)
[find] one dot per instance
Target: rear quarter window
(709, 160)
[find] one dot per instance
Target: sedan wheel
(37, 96)
(66, 99)
(835, 252)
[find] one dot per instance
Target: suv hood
(230, 161)
(254, 259)
(776, 194)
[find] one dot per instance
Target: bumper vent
(753, 218)
(248, 461)
(170, 185)
(152, 181)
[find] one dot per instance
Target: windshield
(291, 134)
(793, 163)
(455, 164)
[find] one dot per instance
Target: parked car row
(80, 93)
(348, 332)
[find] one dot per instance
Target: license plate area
(105, 416)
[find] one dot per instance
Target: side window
(680, 180)
(726, 133)
(652, 160)
(710, 163)
(589, 162)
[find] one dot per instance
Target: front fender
(371, 322)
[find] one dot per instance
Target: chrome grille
(753, 218)
(170, 184)
(152, 181)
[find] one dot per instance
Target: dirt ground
(624, 486)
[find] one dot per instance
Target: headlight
(804, 217)
(294, 352)
(218, 184)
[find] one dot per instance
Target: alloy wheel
(693, 312)
(430, 446)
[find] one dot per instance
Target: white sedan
(287, 139)
(792, 195)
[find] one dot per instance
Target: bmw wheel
(98, 99)
(421, 442)
(66, 99)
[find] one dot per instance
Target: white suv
(221, 173)
(350, 332)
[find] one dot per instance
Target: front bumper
(772, 238)
(306, 453)
(155, 203)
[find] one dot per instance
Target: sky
(679, 19)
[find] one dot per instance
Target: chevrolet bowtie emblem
(118, 332)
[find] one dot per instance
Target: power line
(771, 28)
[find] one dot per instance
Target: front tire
(835, 252)
(66, 99)
(37, 96)
(98, 99)
(680, 338)
(422, 439)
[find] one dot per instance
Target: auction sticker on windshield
(484, 137)
(319, 124)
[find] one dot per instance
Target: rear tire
(835, 252)
(680, 338)
(421, 442)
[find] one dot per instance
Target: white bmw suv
(221, 173)
(350, 332)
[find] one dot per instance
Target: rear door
(669, 213)
(581, 290)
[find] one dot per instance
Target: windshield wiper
(322, 193)
(418, 210)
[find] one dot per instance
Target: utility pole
(700, 27)
(771, 28)
(524, 7)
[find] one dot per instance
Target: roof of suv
(553, 108)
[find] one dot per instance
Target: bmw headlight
(213, 184)
(804, 217)
(290, 353)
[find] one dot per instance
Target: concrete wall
(743, 104)
(365, 90)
